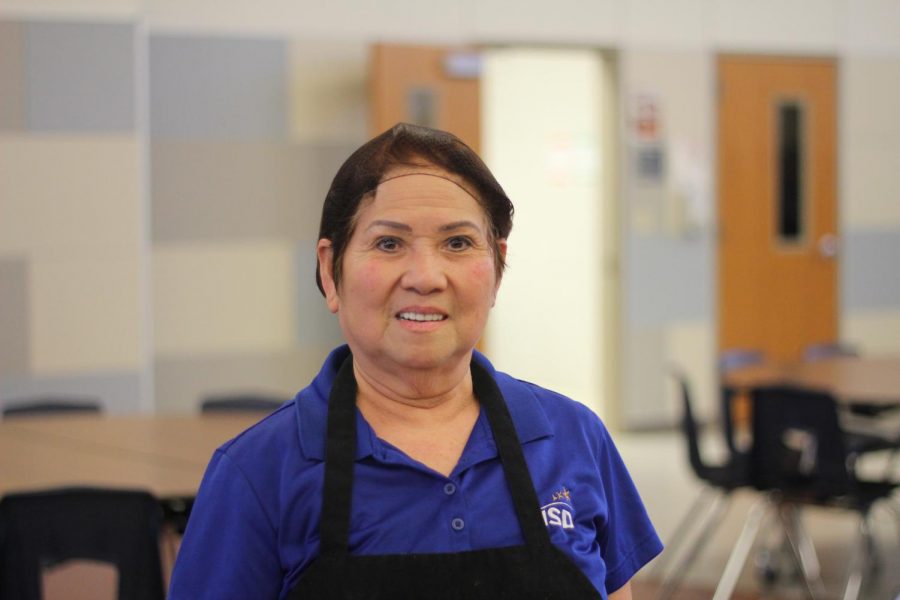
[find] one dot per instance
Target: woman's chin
(429, 357)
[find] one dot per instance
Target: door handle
(828, 245)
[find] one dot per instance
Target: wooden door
(426, 85)
(777, 204)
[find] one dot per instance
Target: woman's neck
(430, 422)
(415, 396)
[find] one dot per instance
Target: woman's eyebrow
(389, 224)
(396, 225)
(459, 225)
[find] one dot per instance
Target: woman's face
(418, 274)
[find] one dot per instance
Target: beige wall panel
(181, 383)
(223, 298)
(873, 332)
(686, 22)
(328, 91)
(85, 312)
(691, 345)
(338, 19)
(805, 25)
(873, 26)
(870, 89)
(58, 193)
(96, 9)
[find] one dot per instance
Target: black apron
(535, 570)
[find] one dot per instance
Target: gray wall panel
(14, 334)
(80, 76)
(644, 386)
(181, 383)
(223, 88)
(669, 279)
(118, 391)
(232, 190)
(870, 270)
(12, 76)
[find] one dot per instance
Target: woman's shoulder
(550, 400)
(275, 433)
(530, 403)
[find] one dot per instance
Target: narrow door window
(790, 185)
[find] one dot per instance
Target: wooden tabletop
(872, 381)
(166, 455)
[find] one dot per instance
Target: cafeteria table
(859, 381)
(164, 454)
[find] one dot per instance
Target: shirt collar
(528, 415)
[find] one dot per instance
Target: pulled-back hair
(405, 145)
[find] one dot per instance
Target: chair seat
(730, 476)
(865, 493)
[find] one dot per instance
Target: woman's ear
(325, 256)
(501, 248)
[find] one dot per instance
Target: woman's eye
(459, 243)
(387, 244)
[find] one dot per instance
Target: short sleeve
(230, 547)
(628, 540)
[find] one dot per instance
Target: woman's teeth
(411, 316)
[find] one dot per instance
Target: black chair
(240, 403)
(50, 405)
(859, 421)
(39, 529)
(799, 457)
(710, 507)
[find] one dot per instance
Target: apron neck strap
(340, 450)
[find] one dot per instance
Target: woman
(410, 468)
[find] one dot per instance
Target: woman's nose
(424, 272)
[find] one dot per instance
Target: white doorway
(548, 134)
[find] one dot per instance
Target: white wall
(542, 134)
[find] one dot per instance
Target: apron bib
(535, 570)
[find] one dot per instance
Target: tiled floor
(658, 464)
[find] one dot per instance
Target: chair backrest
(822, 351)
(689, 424)
(798, 445)
(116, 526)
(240, 403)
(50, 405)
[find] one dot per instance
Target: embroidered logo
(559, 512)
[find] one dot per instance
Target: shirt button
(449, 489)
(457, 524)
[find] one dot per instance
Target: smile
(421, 317)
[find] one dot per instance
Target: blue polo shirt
(255, 524)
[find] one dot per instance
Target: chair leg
(895, 512)
(710, 523)
(860, 561)
(742, 548)
(802, 550)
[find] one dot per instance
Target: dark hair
(408, 145)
